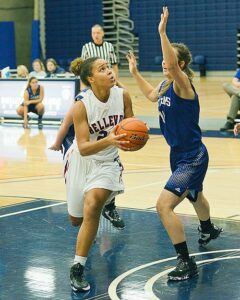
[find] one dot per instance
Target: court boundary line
(112, 289)
(148, 288)
(19, 203)
(30, 209)
(33, 200)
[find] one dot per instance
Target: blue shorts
(188, 172)
(31, 108)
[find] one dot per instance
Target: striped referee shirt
(104, 51)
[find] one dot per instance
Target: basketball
(137, 133)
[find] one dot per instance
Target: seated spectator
(233, 90)
(33, 97)
(53, 68)
(22, 71)
(38, 69)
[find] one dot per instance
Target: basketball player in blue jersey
(65, 139)
(33, 97)
(178, 107)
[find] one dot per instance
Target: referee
(100, 48)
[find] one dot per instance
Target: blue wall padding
(35, 40)
(68, 26)
(7, 45)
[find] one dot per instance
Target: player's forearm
(146, 88)
(35, 101)
(90, 148)
(62, 132)
(169, 55)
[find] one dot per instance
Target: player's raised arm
(172, 63)
(63, 130)
(146, 88)
(128, 111)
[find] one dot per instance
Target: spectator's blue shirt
(58, 70)
(237, 75)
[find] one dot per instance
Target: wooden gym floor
(28, 170)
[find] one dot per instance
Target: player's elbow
(83, 150)
(172, 65)
(152, 99)
(153, 96)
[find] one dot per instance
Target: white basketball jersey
(102, 117)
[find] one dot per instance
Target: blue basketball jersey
(33, 96)
(68, 140)
(237, 75)
(179, 120)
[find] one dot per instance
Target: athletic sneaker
(40, 125)
(227, 126)
(78, 282)
(185, 269)
(212, 234)
(112, 215)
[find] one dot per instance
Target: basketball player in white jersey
(93, 171)
(64, 140)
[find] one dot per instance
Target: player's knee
(162, 207)
(198, 199)
(92, 208)
(40, 109)
(19, 111)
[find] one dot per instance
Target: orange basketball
(137, 133)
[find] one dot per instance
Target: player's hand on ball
(115, 140)
(163, 23)
(132, 62)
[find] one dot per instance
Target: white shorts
(82, 175)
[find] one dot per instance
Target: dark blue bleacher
(68, 27)
(208, 28)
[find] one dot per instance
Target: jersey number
(102, 134)
(162, 115)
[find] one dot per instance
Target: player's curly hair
(83, 68)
